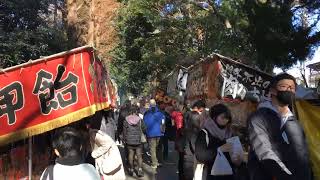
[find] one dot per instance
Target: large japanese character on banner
(57, 93)
(11, 100)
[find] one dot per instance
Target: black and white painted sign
(242, 82)
(182, 80)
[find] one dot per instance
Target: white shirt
(80, 172)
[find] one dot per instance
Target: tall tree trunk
(90, 22)
(55, 3)
(304, 19)
(91, 33)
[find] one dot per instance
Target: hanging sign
(45, 94)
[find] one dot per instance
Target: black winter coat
(123, 113)
(207, 154)
(191, 128)
(276, 150)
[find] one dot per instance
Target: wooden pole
(30, 158)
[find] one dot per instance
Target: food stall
(41, 95)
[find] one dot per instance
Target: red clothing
(178, 119)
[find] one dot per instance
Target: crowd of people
(204, 141)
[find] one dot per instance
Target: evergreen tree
(29, 29)
(157, 34)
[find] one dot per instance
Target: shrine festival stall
(219, 79)
(41, 95)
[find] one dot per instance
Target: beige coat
(107, 156)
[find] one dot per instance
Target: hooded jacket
(153, 121)
(178, 119)
(133, 127)
(278, 146)
(108, 161)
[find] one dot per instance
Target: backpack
(48, 172)
(200, 171)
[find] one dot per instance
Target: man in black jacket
(191, 127)
(278, 146)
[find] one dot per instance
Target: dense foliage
(157, 34)
(28, 30)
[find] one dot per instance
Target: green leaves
(155, 35)
(277, 40)
(26, 32)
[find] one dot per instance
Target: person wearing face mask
(212, 140)
(278, 149)
(154, 120)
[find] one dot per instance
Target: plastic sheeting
(309, 116)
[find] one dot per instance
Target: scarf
(215, 131)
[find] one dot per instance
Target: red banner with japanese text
(45, 94)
